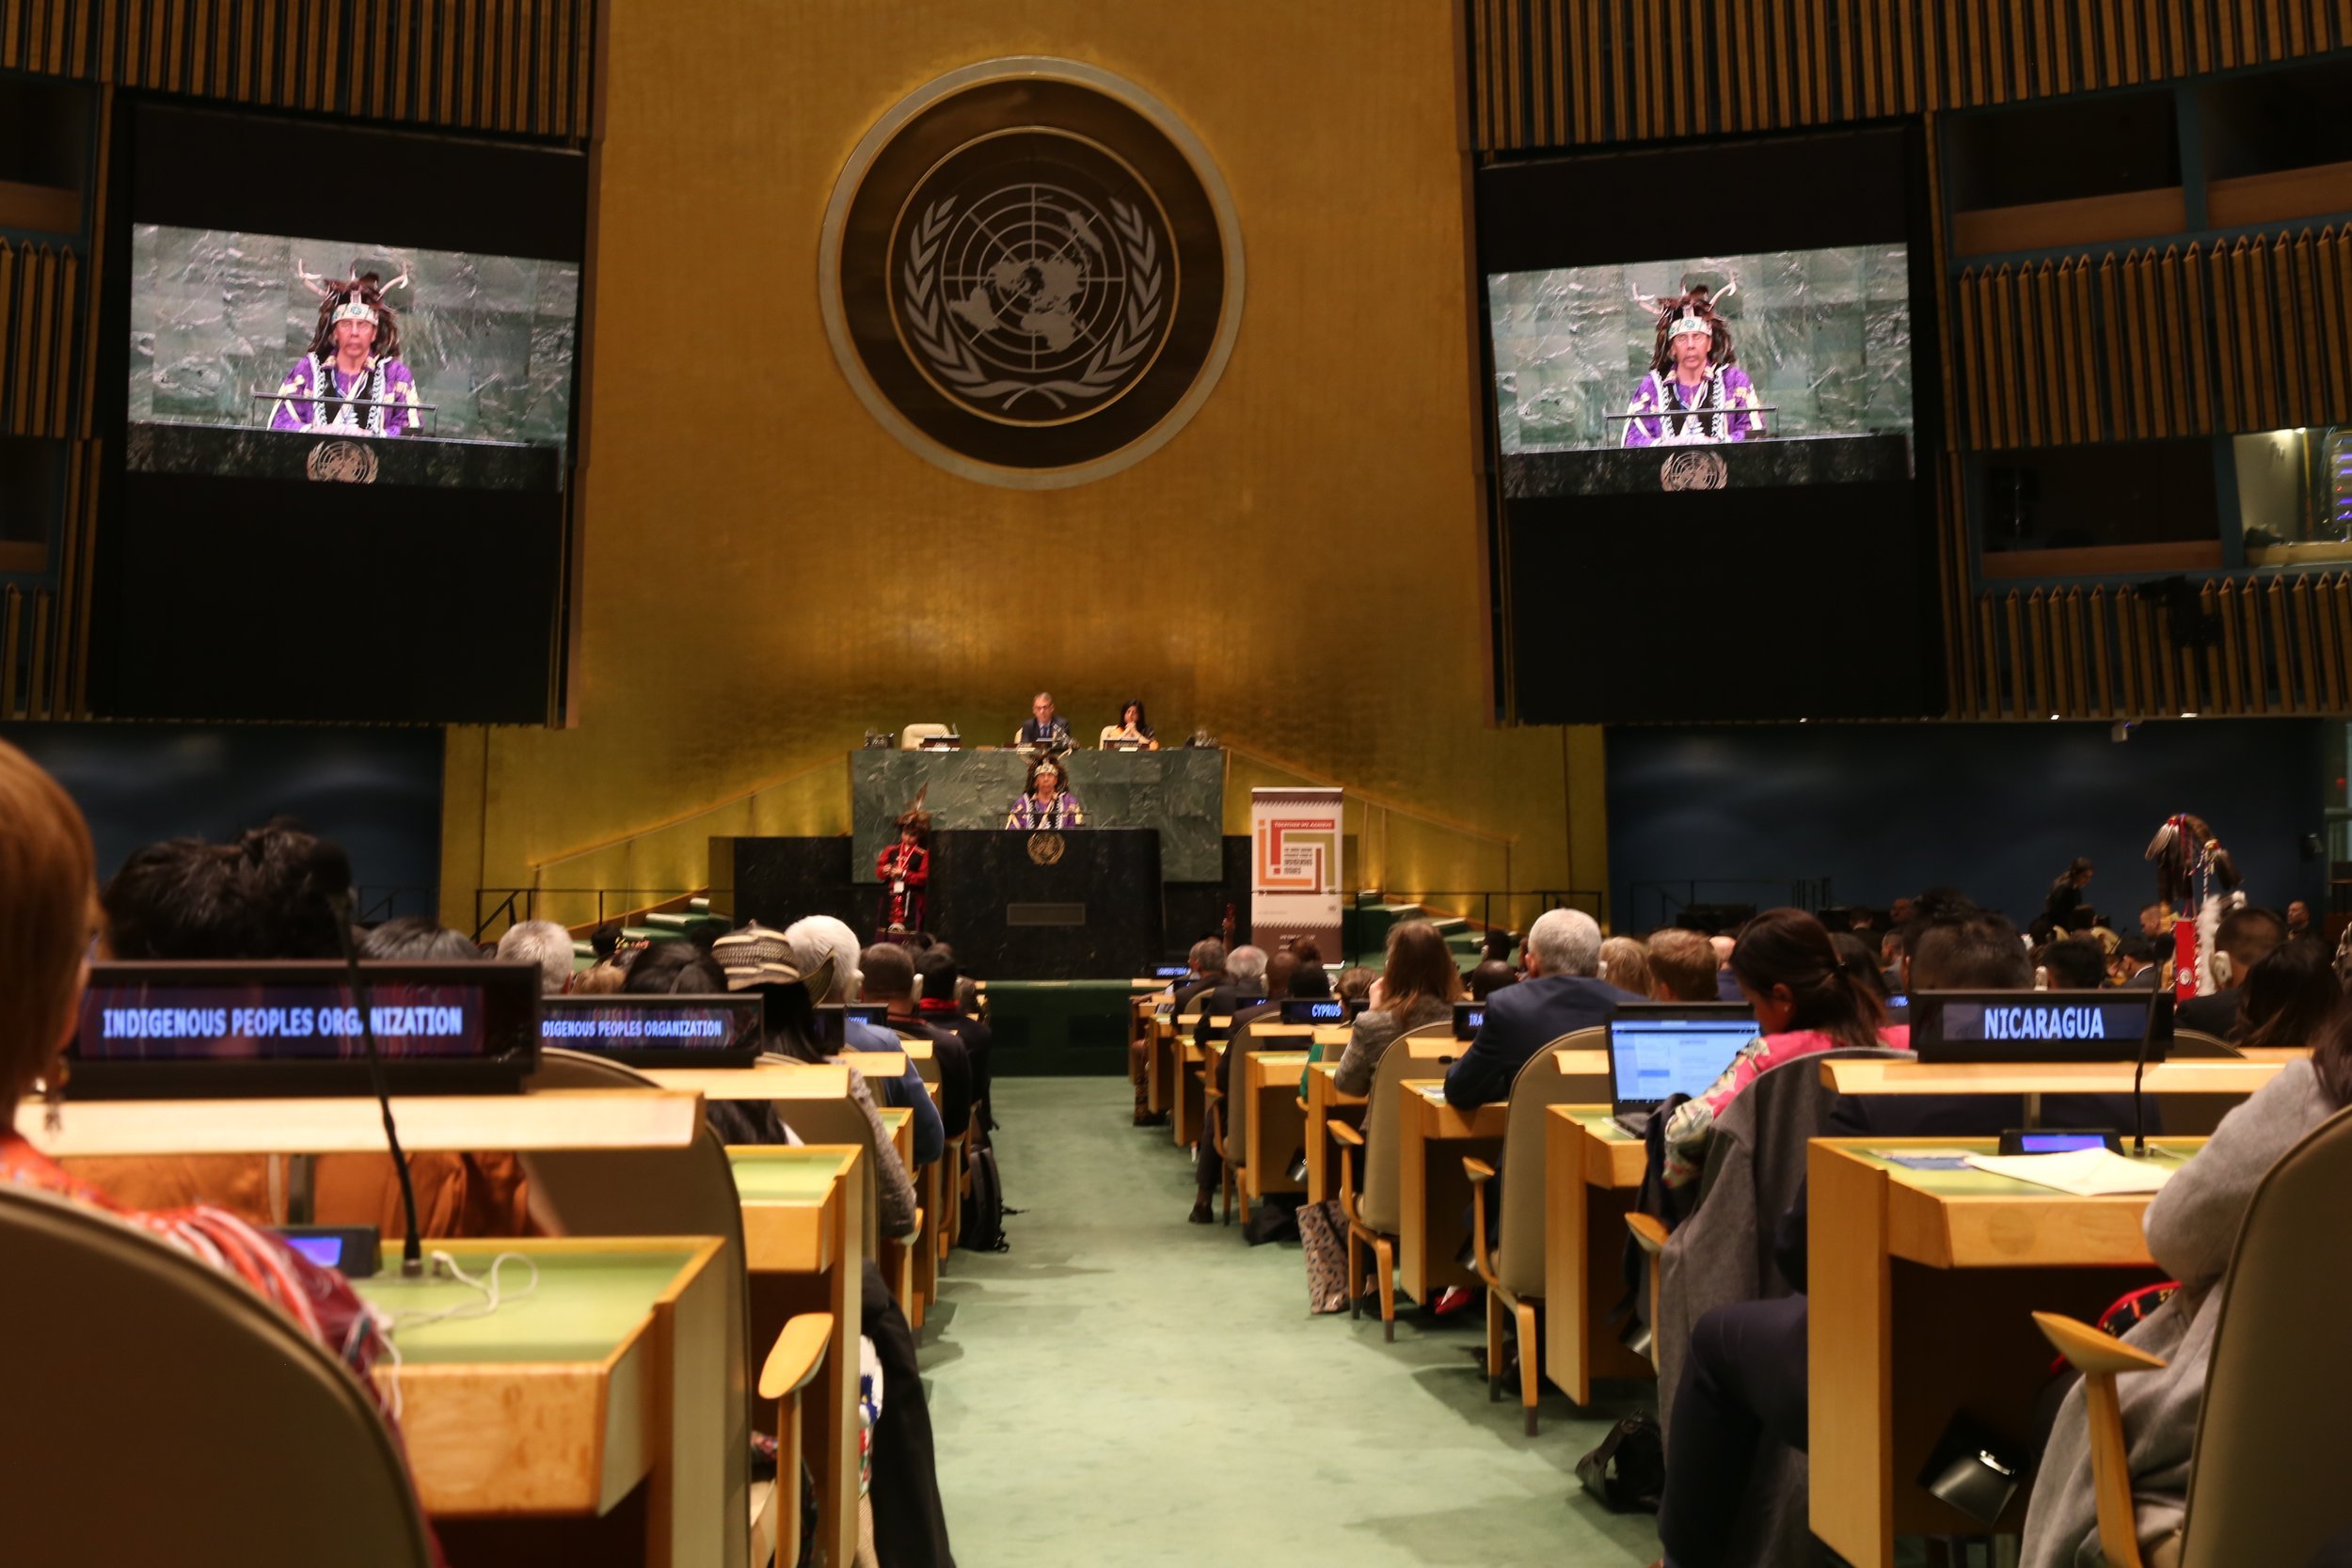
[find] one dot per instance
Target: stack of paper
(2084, 1172)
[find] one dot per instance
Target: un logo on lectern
(1046, 848)
(1031, 273)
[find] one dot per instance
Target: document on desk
(2084, 1172)
(1434, 1093)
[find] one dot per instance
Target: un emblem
(1031, 273)
(1046, 848)
(1690, 468)
(342, 463)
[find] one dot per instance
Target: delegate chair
(1230, 1124)
(912, 738)
(842, 1121)
(2268, 1488)
(1372, 1215)
(116, 1339)
(685, 1191)
(949, 1223)
(1513, 1269)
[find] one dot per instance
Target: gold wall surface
(767, 574)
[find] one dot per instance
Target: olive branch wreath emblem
(1132, 332)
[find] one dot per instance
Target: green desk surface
(1985, 1184)
(785, 1175)
(1602, 1122)
(997, 988)
(1281, 1058)
(586, 1304)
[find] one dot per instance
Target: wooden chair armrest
(2091, 1350)
(796, 1355)
(912, 1236)
(1649, 1233)
(1477, 1170)
(1303, 1106)
(1345, 1133)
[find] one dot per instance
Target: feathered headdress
(1692, 311)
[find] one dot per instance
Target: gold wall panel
(1564, 72)
(767, 574)
(40, 289)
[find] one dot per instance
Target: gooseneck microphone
(2139, 1105)
(330, 874)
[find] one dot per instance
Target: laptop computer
(1658, 1049)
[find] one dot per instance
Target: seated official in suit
(1808, 1000)
(2132, 965)
(49, 919)
(1560, 995)
(1419, 985)
(1243, 985)
(1132, 728)
(2192, 1225)
(1043, 727)
(2243, 940)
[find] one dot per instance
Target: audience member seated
(49, 914)
(1808, 1000)
(1243, 985)
(1207, 965)
(2243, 940)
(1726, 983)
(1354, 983)
(1861, 961)
(545, 943)
(2133, 965)
(1625, 964)
(1488, 976)
(257, 900)
(1419, 985)
(2288, 997)
(756, 959)
(1560, 995)
(941, 1004)
(682, 969)
(2192, 1226)
(889, 978)
(1891, 960)
(1285, 976)
(807, 943)
(2074, 963)
(1496, 945)
(414, 938)
(1681, 966)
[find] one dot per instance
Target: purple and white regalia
(318, 397)
(1723, 406)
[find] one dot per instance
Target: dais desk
(611, 1371)
(1592, 1172)
(1921, 1283)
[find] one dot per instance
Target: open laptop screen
(1655, 1051)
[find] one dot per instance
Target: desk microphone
(2139, 1106)
(330, 873)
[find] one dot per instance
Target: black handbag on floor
(1628, 1472)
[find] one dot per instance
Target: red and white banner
(1294, 867)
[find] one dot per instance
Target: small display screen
(1169, 971)
(325, 1251)
(2058, 1143)
(2046, 1026)
(1468, 1018)
(681, 1025)
(832, 1020)
(263, 1022)
(1310, 1009)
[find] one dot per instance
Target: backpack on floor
(984, 1205)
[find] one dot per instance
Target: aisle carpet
(1123, 1388)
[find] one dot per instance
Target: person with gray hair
(1244, 984)
(815, 938)
(1559, 996)
(545, 943)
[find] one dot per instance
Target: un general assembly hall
(897, 783)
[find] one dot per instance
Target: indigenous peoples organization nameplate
(1031, 273)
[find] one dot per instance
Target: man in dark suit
(2244, 939)
(1559, 996)
(2136, 964)
(1243, 985)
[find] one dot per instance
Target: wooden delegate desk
(1325, 1102)
(1433, 1192)
(1921, 1285)
(2189, 1075)
(611, 1371)
(354, 1124)
(1276, 1123)
(1186, 1094)
(804, 1224)
(1591, 1173)
(782, 1079)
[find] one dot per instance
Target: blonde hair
(1625, 964)
(48, 912)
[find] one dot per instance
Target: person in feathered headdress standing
(1695, 392)
(350, 381)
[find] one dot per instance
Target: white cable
(493, 1297)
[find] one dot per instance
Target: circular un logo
(1694, 470)
(1046, 848)
(1031, 273)
(341, 462)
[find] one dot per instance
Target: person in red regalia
(904, 869)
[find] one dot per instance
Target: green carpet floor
(1123, 1388)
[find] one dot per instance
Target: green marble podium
(1179, 791)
